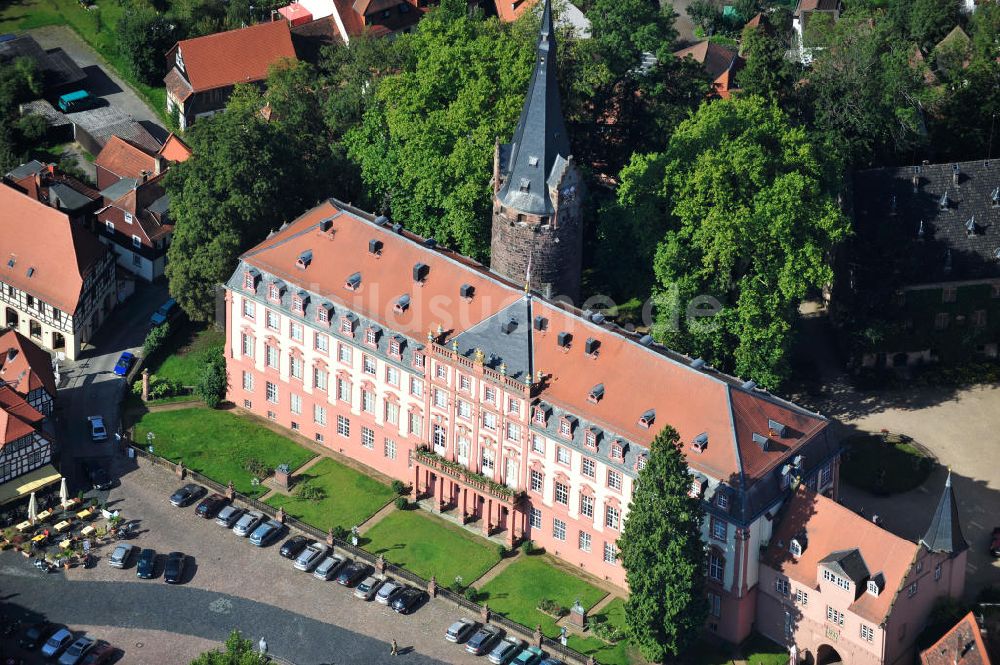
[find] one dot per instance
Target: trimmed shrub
(155, 339)
(527, 547)
(401, 503)
(309, 492)
(213, 381)
(471, 594)
(552, 607)
(399, 487)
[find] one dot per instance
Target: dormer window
(697, 487)
(796, 546)
(274, 291)
(590, 438)
(346, 325)
(353, 282)
(565, 428)
(420, 271)
(297, 304)
(250, 277)
(128, 218)
(617, 451)
(402, 304)
(596, 393)
(873, 588)
(700, 442)
(372, 335)
(876, 584)
(305, 258)
(396, 346)
(722, 499)
(539, 416)
(418, 360)
(590, 347)
(323, 313)
(640, 463)
(647, 418)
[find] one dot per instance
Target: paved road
(102, 79)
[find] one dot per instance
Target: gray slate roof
(889, 215)
(944, 534)
(847, 563)
(512, 349)
(119, 189)
(57, 69)
(541, 134)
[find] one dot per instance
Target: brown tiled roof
(715, 58)
(57, 265)
(24, 365)
(177, 85)
(125, 159)
(354, 21)
(136, 202)
(235, 56)
(636, 377)
(816, 5)
(511, 10)
(17, 417)
(824, 523)
(174, 149)
(962, 645)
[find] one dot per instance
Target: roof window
(647, 418)
(467, 291)
(596, 393)
(541, 323)
(590, 346)
(700, 442)
(353, 282)
(420, 271)
(761, 441)
(525, 185)
(375, 247)
(564, 339)
(776, 429)
(508, 326)
(305, 258)
(402, 303)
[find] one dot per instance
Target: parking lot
(228, 584)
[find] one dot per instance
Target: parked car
(124, 363)
(211, 505)
(505, 650)
(530, 656)
(311, 556)
(367, 588)
(173, 570)
(388, 591)
(552, 661)
(459, 631)
(165, 312)
(352, 573)
(328, 567)
(35, 635)
(267, 533)
(98, 475)
(246, 524)
(292, 547)
(187, 494)
(78, 100)
(228, 516)
(76, 651)
(483, 640)
(995, 543)
(407, 600)
(97, 430)
(56, 643)
(101, 654)
(121, 554)
(145, 567)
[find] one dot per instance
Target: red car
(101, 653)
(995, 543)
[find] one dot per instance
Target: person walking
(395, 648)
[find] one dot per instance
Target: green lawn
(756, 650)
(95, 26)
(351, 496)
(215, 443)
(884, 465)
(517, 591)
(184, 356)
(604, 653)
(428, 545)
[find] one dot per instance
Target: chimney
(956, 171)
(159, 165)
(143, 175)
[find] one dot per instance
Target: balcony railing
(474, 480)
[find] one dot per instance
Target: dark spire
(945, 532)
(540, 136)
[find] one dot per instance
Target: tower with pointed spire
(537, 189)
(944, 534)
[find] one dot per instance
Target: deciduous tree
(143, 37)
(237, 651)
(663, 555)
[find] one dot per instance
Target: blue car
(165, 311)
(124, 364)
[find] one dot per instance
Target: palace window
(558, 529)
(584, 542)
(834, 616)
(321, 342)
(368, 438)
(588, 467)
(536, 481)
(610, 553)
(389, 449)
(343, 426)
(562, 493)
(716, 566)
(587, 505)
(535, 518)
(563, 455)
(615, 480)
(612, 517)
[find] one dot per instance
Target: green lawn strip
(604, 653)
(517, 590)
(214, 443)
(883, 467)
(758, 650)
(427, 545)
(185, 355)
(351, 496)
(96, 27)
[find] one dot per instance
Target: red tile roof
(824, 523)
(235, 56)
(24, 365)
(690, 399)
(511, 10)
(58, 265)
(962, 645)
(124, 159)
(174, 149)
(147, 225)
(17, 417)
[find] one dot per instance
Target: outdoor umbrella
(63, 492)
(32, 508)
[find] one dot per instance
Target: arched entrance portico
(827, 655)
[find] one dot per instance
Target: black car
(352, 573)
(174, 568)
(211, 505)
(407, 600)
(292, 547)
(482, 640)
(98, 476)
(146, 565)
(35, 635)
(187, 494)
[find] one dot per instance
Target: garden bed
(885, 463)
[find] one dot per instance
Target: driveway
(101, 77)
(961, 427)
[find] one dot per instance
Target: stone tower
(537, 189)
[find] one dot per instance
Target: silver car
(228, 516)
(248, 523)
(59, 640)
(460, 630)
(76, 651)
(329, 567)
(311, 556)
(387, 592)
(505, 650)
(120, 556)
(367, 588)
